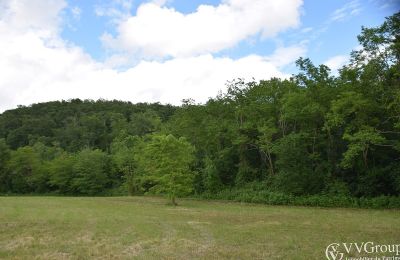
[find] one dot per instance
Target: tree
(123, 153)
(4, 157)
(211, 180)
(25, 171)
(62, 173)
(360, 143)
(266, 144)
(165, 160)
(144, 123)
(91, 172)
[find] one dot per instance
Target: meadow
(148, 228)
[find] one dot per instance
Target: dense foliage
(315, 134)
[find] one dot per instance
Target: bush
(247, 194)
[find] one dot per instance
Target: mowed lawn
(147, 228)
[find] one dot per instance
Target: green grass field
(147, 228)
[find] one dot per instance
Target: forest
(317, 138)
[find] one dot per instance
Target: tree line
(316, 133)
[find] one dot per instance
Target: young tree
(165, 160)
(266, 144)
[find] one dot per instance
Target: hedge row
(276, 198)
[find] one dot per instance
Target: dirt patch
(133, 250)
(19, 242)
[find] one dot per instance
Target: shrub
(246, 194)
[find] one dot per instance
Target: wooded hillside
(315, 133)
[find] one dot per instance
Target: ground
(147, 228)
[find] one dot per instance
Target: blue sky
(167, 50)
(326, 36)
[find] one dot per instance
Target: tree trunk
(271, 165)
(365, 157)
(173, 201)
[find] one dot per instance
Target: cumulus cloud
(283, 56)
(336, 62)
(159, 31)
(41, 73)
(37, 65)
(38, 16)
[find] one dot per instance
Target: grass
(147, 228)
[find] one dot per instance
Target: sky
(168, 50)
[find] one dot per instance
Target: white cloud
(76, 12)
(336, 62)
(40, 73)
(38, 66)
(350, 9)
(159, 31)
(160, 2)
(306, 30)
(285, 55)
(117, 10)
(26, 15)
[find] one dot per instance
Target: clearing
(147, 228)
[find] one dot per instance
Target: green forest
(318, 138)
